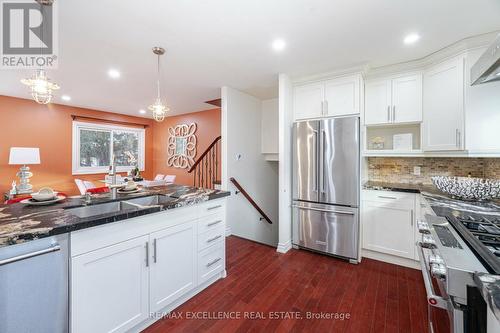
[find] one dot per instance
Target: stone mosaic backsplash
(400, 170)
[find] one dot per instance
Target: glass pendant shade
(40, 86)
(159, 110)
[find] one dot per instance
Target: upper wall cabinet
(336, 97)
(394, 101)
(443, 126)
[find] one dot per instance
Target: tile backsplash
(400, 170)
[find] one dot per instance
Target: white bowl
(468, 188)
(44, 194)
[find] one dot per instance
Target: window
(95, 144)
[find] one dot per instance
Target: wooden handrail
(249, 198)
(198, 161)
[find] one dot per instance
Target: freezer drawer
(326, 228)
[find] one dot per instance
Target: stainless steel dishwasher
(34, 286)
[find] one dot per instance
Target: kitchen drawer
(211, 222)
(211, 237)
(210, 262)
(211, 207)
(402, 198)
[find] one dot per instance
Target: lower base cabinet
(388, 220)
(173, 270)
(125, 274)
(110, 288)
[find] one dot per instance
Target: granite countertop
(399, 187)
(20, 223)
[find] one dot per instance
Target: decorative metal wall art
(182, 146)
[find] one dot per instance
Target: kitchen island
(131, 260)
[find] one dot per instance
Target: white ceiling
(227, 42)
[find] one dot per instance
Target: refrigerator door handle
(322, 161)
(316, 144)
(324, 210)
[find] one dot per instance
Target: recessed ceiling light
(66, 98)
(279, 45)
(114, 73)
(141, 111)
(411, 38)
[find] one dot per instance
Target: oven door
(443, 316)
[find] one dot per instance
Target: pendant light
(40, 86)
(158, 108)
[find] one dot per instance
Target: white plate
(33, 202)
(122, 191)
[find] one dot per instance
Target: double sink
(134, 204)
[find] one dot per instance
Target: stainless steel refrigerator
(326, 186)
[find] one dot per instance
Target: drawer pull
(214, 238)
(214, 207)
(214, 223)
(384, 197)
(213, 262)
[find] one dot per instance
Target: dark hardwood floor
(377, 297)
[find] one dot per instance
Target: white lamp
(23, 156)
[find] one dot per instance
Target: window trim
(79, 125)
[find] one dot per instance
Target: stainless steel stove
(458, 239)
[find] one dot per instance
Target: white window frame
(79, 125)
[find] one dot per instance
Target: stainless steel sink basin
(99, 209)
(113, 207)
(151, 200)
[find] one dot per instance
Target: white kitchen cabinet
(342, 96)
(389, 223)
(443, 125)
(121, 272)
(173, 264)
(308, 100)
(394, 100)
(378, 102)
(335, 97)
(110, 288)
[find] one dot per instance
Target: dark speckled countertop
(399, 187)
(20, 223)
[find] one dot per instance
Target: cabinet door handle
(325, 111)
(154, 250)
(393, 113)
(456, 137)
(459, 139)
(411, 217)
(213, 239)
(384, 197)
(213, 262)
(147, 254)
(214, 207)
(214, 223)
(388, 113)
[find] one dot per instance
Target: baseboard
(228, 231)
(284, 247)
(390, 259)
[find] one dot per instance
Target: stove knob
(428, 242)
(423, 227)
(435, 259)
(438, 270)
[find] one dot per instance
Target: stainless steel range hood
(487, 68)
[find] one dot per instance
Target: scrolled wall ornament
(182, 146)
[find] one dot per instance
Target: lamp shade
(21, 155)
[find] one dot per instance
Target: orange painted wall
(208, 122)
(24, 123)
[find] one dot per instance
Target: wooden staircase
(205, 170)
